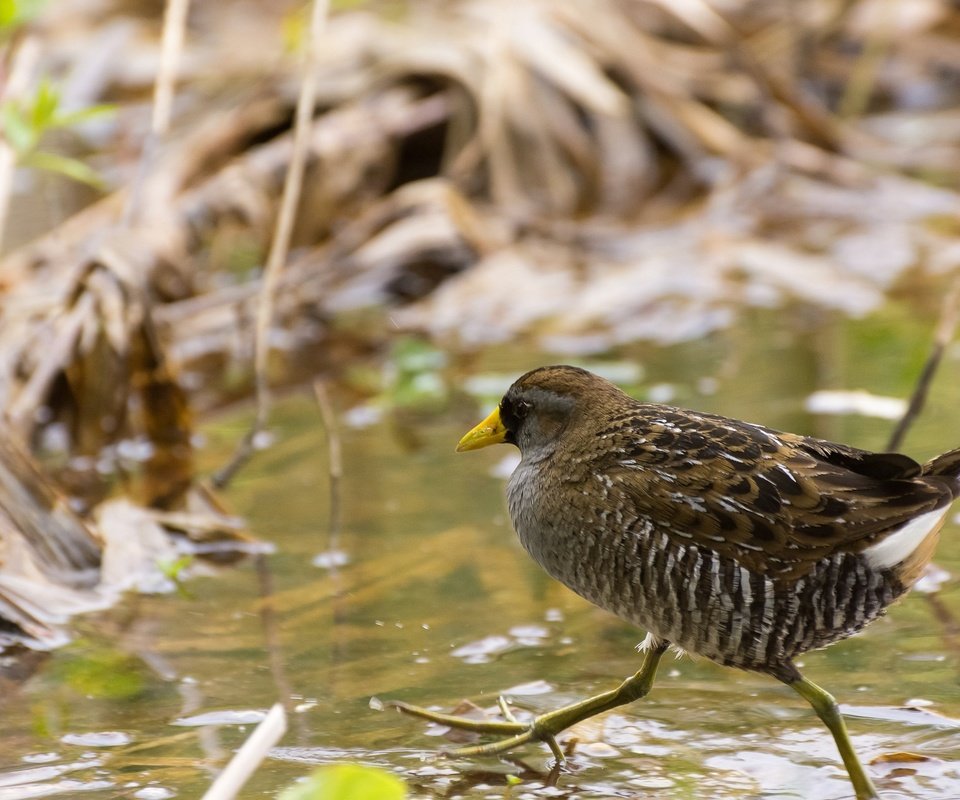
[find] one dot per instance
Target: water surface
(437, 602)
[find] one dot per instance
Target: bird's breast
(537, 518)
(590, 547)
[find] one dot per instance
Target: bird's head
(539, 407)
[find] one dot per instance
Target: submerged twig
(333, 558)
(271, 631)
(946, 327)
(249, 756)
(334, 461)
(280, 245)
(949, 624)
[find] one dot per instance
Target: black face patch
(533, 416)
(513, 411)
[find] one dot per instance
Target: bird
(726, 539)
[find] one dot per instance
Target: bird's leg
(546, 726)
(826, 708)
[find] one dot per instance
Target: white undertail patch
(900, 544)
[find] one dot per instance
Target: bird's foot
(543, 728)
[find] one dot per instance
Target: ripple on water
(482, 650)
(529, 635)
(528, 689)
(154, 793)
(97, 739)
(40, 758)
(228, 717)
(27, 791)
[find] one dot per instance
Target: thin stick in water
(249, 756)
(946, 327)
(280, 245)
(171, 48)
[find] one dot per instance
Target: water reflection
(432, 600)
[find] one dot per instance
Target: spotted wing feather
(776, 502)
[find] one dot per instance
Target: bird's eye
(512, 412)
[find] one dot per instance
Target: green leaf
(16, 129)
(347, 782)
(14, 13)
(8, 13)
(45, 105)
(70, 167)
(82, 115)
(174, 569)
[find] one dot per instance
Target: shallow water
(437, 602)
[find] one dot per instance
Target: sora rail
(736, 542)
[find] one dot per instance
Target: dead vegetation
(583, 173)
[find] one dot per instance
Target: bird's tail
(945, 466)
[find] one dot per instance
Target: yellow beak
(490, 431)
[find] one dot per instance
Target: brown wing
(775, 502)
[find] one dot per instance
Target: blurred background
(748, 208)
